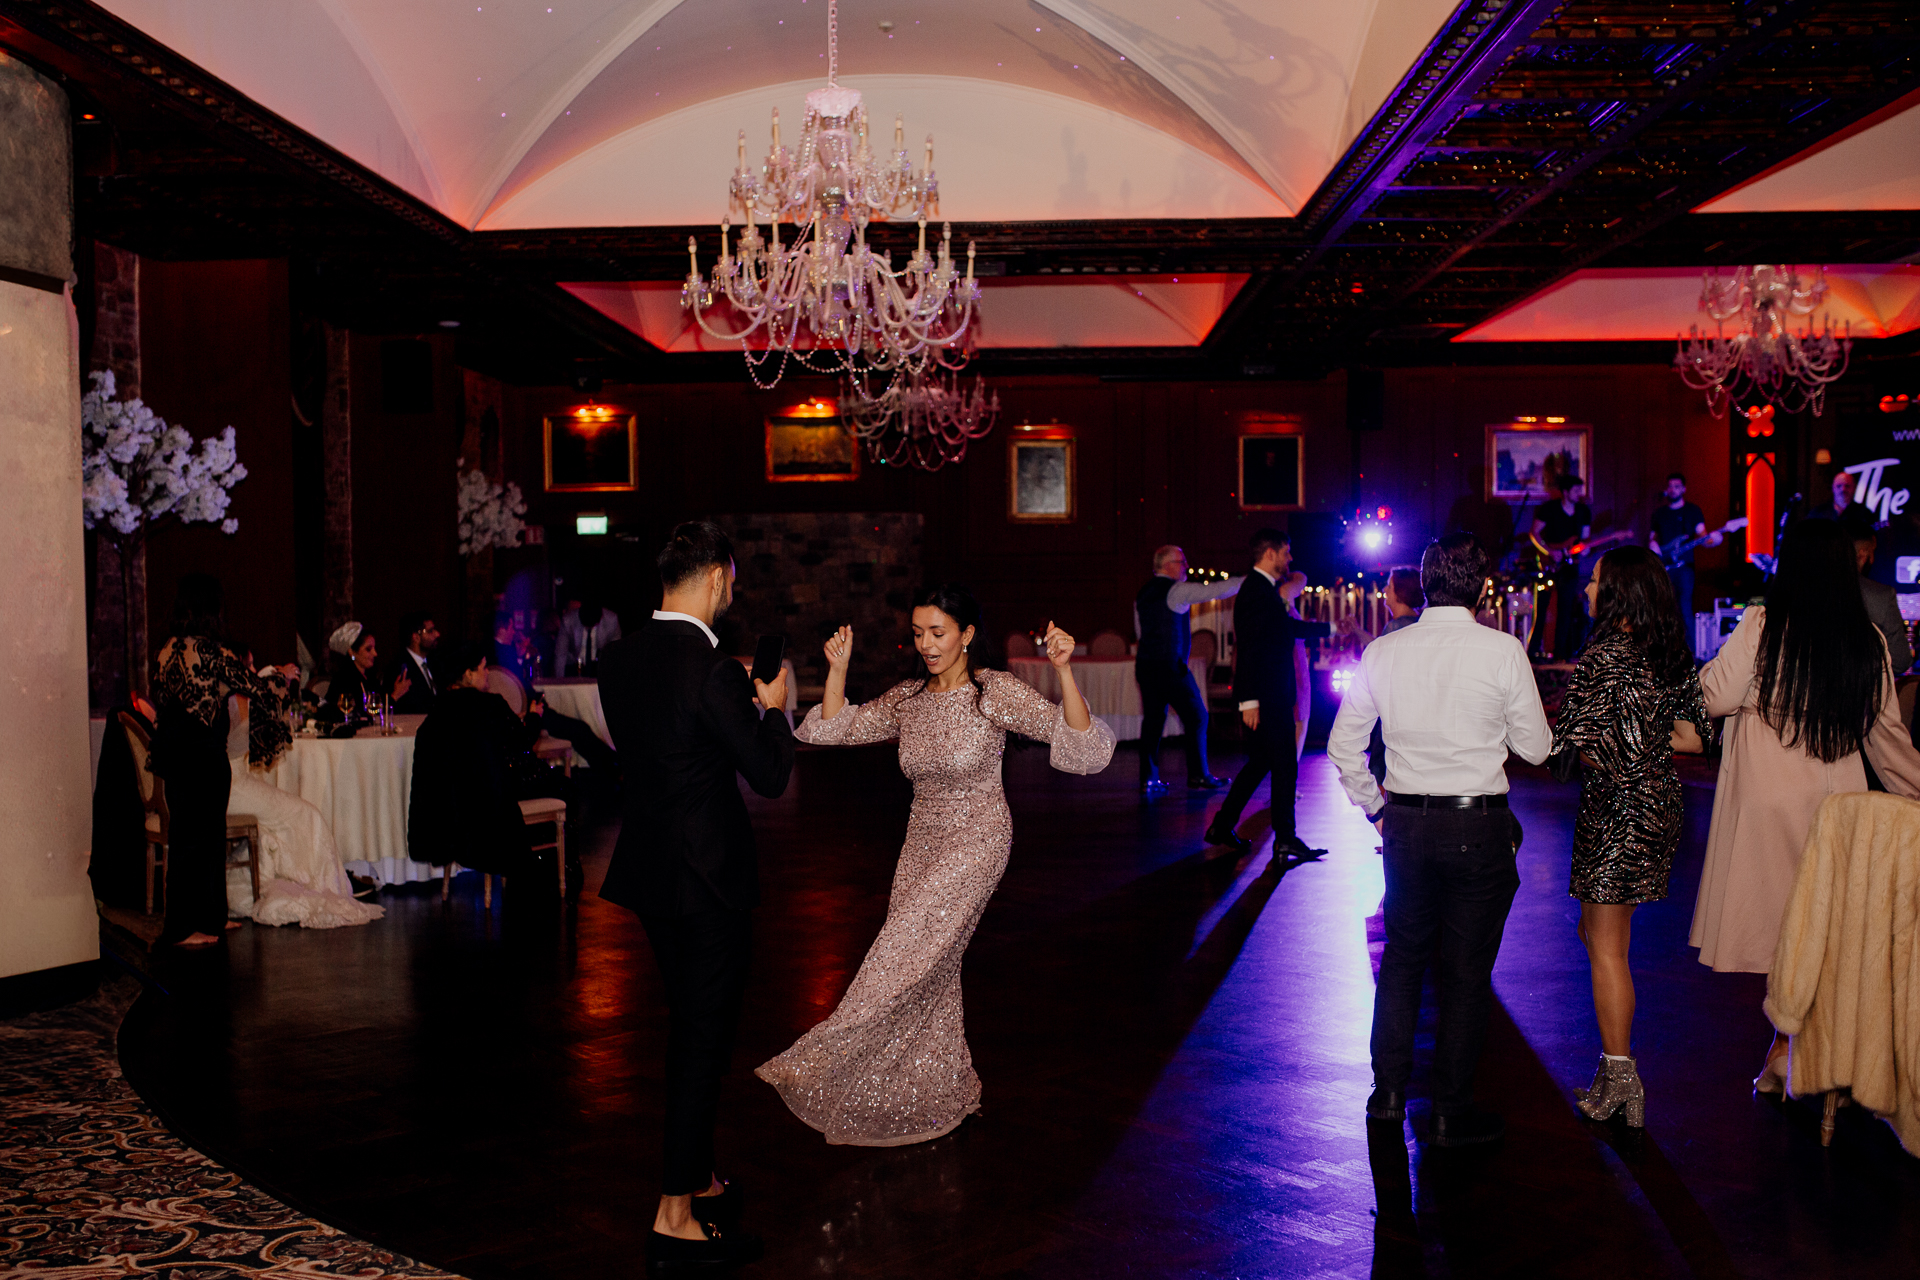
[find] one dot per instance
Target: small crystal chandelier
(1767, 360)
(924, 419)
(825, 298)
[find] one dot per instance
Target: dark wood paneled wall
(1156, 464)
(213, 342)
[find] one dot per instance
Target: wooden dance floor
(1173, 1050)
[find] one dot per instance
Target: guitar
(1574, 548)
(1674, 554)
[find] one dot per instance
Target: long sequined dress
(1621, 716)
(890, 1065)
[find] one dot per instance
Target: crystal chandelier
(824, 298)
(923, 419)
(1766, 360)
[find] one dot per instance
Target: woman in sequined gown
(890, 1065)
(1634, 700)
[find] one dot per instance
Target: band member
(1558, 526)
(1845, 506)
(1674, 522)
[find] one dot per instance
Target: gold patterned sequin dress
(890, 1065)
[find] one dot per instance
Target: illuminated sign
(590, 526)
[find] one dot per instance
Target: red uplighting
(1896, 404)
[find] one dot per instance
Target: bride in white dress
(301, 879)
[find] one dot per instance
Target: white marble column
(46, 901)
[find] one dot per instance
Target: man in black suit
(421, 637)
(1263, 685)
(686, 719)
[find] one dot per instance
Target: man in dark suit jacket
(1263, 685)
(421, 637)
(684, 716)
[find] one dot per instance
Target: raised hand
(1059, 646)
(400, 686)
(772, 697)
(839, 649)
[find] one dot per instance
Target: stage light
(1342, 677)
(590, 526)
(1372, 540)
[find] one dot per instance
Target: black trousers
(703, 963)
(600, 757)
(1163, 686)
(1269, 751)
(198, 784)
(1682, 580)
(1450, 880)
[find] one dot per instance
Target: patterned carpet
(92, 1186)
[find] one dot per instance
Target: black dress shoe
(1217, 834)
(1205, 782)
(722, 1251)
(722, 1210)
(1387, 1104)
(1296, 848)
(1467, 1129)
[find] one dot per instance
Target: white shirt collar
(1447, 613)
(1269, 577)
(661, 615)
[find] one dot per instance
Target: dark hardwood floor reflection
(1173, 1048)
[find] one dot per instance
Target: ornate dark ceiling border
(1470, 50)
(105, 43)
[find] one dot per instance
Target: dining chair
(1108, 644)
(159, 822)
(533, 813)
(1020, 645)
(508, 686)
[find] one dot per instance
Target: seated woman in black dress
(195, 674)
(1634, 700)
(472, 764)
(350, 678)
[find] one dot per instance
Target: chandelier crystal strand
(824, 298)
(925, 419)
(1764, 360)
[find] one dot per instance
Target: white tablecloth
(361, 786)
(1108, 686)
(581, 700)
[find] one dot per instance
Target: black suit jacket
(419, 696)
(683, 717)
(1264, 633)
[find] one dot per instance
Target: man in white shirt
(1452, 698)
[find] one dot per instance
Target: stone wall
(808, 573)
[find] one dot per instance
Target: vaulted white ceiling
(539, 113)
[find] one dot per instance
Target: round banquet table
(1108, 686)
(361, 786)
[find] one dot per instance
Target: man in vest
(1161, 621)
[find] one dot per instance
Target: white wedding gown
(301, 879)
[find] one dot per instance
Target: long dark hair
(957, 602)
(199, 608)
(1822, 661)
(1636, 597)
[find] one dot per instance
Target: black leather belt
(1447, 802)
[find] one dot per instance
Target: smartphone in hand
(767, 657)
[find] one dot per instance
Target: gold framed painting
(592, 449)
(811, 442)
(1041, 479)
(1273, 470)
(1528, 454)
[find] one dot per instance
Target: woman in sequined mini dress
(890, 1065)
(1634, 700)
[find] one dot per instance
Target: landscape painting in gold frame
(811, 442)
(592, 449)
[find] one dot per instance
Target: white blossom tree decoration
(136, 470)
(136, 473)
(489, 512)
